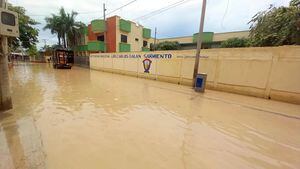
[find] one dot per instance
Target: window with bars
(123, 38)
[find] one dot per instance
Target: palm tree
(73, 28)
(74, 34)
(53, 23)
(65, 26)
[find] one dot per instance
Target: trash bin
(200, 82)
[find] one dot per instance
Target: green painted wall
(124, 47)
(145, 49)
(81, 48)
(146, 33)
(84, 48)
(98, 26)
(96, 46)
(207, 37)
(125, 25)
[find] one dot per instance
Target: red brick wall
(111, 38)
(91, 35)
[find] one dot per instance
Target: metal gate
(82, 61)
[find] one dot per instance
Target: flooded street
(85, 119)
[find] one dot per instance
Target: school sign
(145, 59)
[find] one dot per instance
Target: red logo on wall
(147, 65)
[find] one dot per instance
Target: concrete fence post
(274, 61)
(217, 71)
(180, 72)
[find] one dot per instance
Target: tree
(74, 30)
(53, 23)
(235, 43)
(276, 26)
(64, 25)
(47, 50)
(28, 34)
(167, 45)
(32, 51)
(295, 3)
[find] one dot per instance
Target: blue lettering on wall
(158, 56)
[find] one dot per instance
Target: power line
(121, 7)
(161, 10)
(47, 39)
(225, 14)
(146, 16)
(90, 12)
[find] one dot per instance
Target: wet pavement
(85, 119)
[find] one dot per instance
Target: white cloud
(179, 21)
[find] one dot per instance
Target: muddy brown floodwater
(85, 119)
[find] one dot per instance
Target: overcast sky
(182, 20)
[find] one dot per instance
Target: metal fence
(82, 61)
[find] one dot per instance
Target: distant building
(15, 56)
(113, 35)
(119, 35)
(210, 39)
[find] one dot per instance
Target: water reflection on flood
(74, 119)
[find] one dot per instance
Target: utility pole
(5, 97)
(45, 43)
(104, 12)
(3, 4)
(199, 42)
(154, 47)
(104, 18)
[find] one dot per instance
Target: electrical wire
(90, 12)
(157, 12)
(121, 7)
(161, 10)
(223, 18)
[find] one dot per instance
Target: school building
(113, 35)
(120, 35)
(210, 39)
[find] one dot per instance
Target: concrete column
(5, 97)
(217, 71)
(274, 61)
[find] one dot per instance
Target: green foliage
(65, 27)
(47, 49)
(53, 23)
(167, 45)
(74, 34)
(235, 43)
(28, 34)
(276, 26)
(295, 3)
(32, 51)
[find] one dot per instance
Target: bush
(235, 43)
(276, 26)
(167, 45)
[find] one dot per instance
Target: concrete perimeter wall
(269, 72)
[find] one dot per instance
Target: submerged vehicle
(62, 59)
